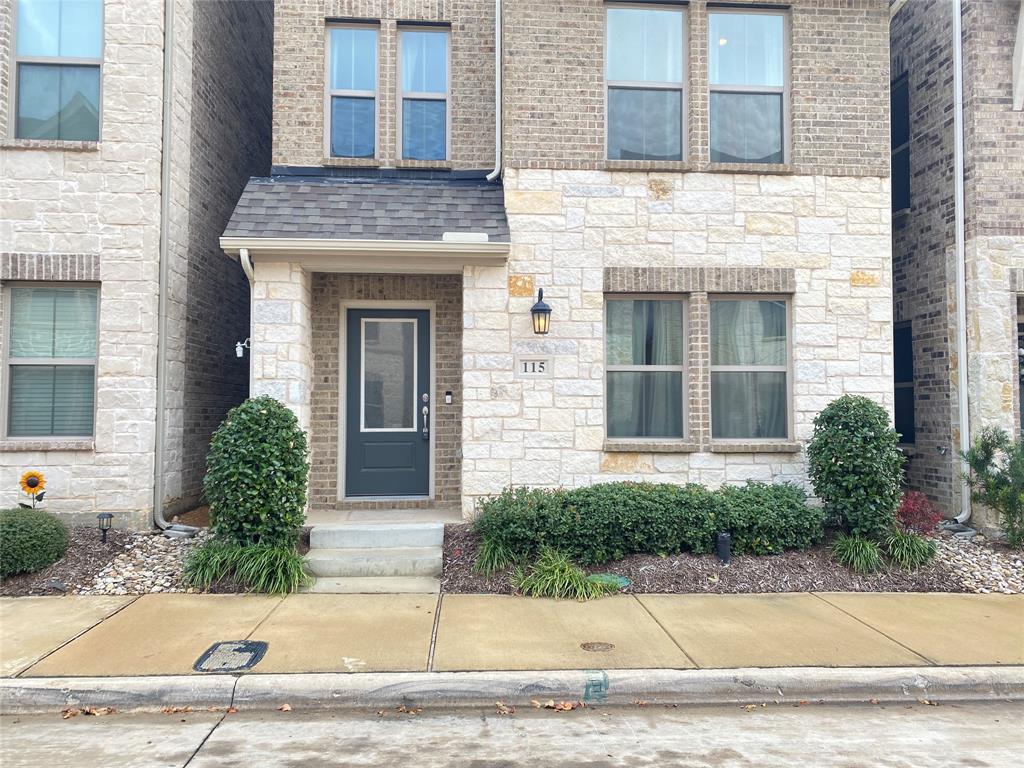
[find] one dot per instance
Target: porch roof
(339, 208)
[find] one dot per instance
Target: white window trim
(8, 361)
(374, 95)
(787, 300)
(784, 90)
(683, 368)
(424, 95)
(684, 97)
(12, 111)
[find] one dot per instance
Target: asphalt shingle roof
(368, 208)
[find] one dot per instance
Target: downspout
(246, 262)
(961, 267)
(498, 73)
(164, 251)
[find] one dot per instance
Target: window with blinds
(51, 361)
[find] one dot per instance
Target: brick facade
(91, 211)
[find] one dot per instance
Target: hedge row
(608, 521)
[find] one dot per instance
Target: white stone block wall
(568, 226)
(100, 199)
(282, 336)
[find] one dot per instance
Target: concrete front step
(376, 561)
(376, 535)
(342, 585)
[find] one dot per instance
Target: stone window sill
(48, 444)
(351, 162)
(756, 446)
(648, 165)
(651, 446)
(442, 165)
(51, 144)
(763, 168)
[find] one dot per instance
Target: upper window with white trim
(748, 74)
(58, 53)
(644, 76)
(352, 90)
(51, 360)
(423, 106)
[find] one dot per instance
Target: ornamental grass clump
(255, 484)
(555, 575)
(909, 550)
(856, 466)
(857, 553)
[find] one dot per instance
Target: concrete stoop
(376, 557)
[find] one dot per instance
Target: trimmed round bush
(256, 474)
(856, 465)
(30, 540)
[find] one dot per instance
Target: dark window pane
(645, 404)
(748, 404)
(746, 128)
(903, 354)
(51, 400)
(900, 119)
(58, 101)
(901, 179)
(352, 127)
(644, 124)
(904, 413)
(423, 129)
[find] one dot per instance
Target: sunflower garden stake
(33, 484)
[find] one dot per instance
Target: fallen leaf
(175, 710)
(407, 710)
(67, 714)
(504, 709)
(640, 703)
(99, 711)
(285, 708)
(231, 711)
(873, 701)
(382, 713)
(750, 707)
(928, 702)
(565, 706)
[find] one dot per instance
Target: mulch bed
(812, 570)
(86, 557)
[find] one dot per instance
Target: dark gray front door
(387, 391)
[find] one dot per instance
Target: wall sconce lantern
(541, 314)
(104, 519)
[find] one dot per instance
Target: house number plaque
(533, 367)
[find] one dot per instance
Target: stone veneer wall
(826, 238)
(329, 290)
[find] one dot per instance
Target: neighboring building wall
(924, 254)
(299, 69)
(100, 203)
(825, 240)
(329, 290)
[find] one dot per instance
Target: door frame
(346, 304)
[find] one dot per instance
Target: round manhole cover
(597, 647)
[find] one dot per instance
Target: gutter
(961, 267)
(165, 210)
(498, 76)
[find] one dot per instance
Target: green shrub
(857, 553)
(996, 477)
(856, 465)
(258, 567)
(599, 523)
(30, 540)
(554, 575)
(909, 550)
(256, 475)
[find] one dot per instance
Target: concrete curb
(476, 689)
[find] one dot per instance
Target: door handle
(426, 414)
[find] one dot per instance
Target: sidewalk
(165, 635)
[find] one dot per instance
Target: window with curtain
(749, 369)
(644, 76)
(424, 102)
(644, 355)
(747, 73)
(58, 52)
(51, 361)
(352, 91)
(899, 126)
(903, 381)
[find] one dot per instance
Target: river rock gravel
(981, 566)
(149, 563)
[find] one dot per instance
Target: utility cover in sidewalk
(231, 656)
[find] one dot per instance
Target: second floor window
(900, 134)
(352, 90)
(423, 105)
(644, 75)
(748, 73)
(58, 53)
